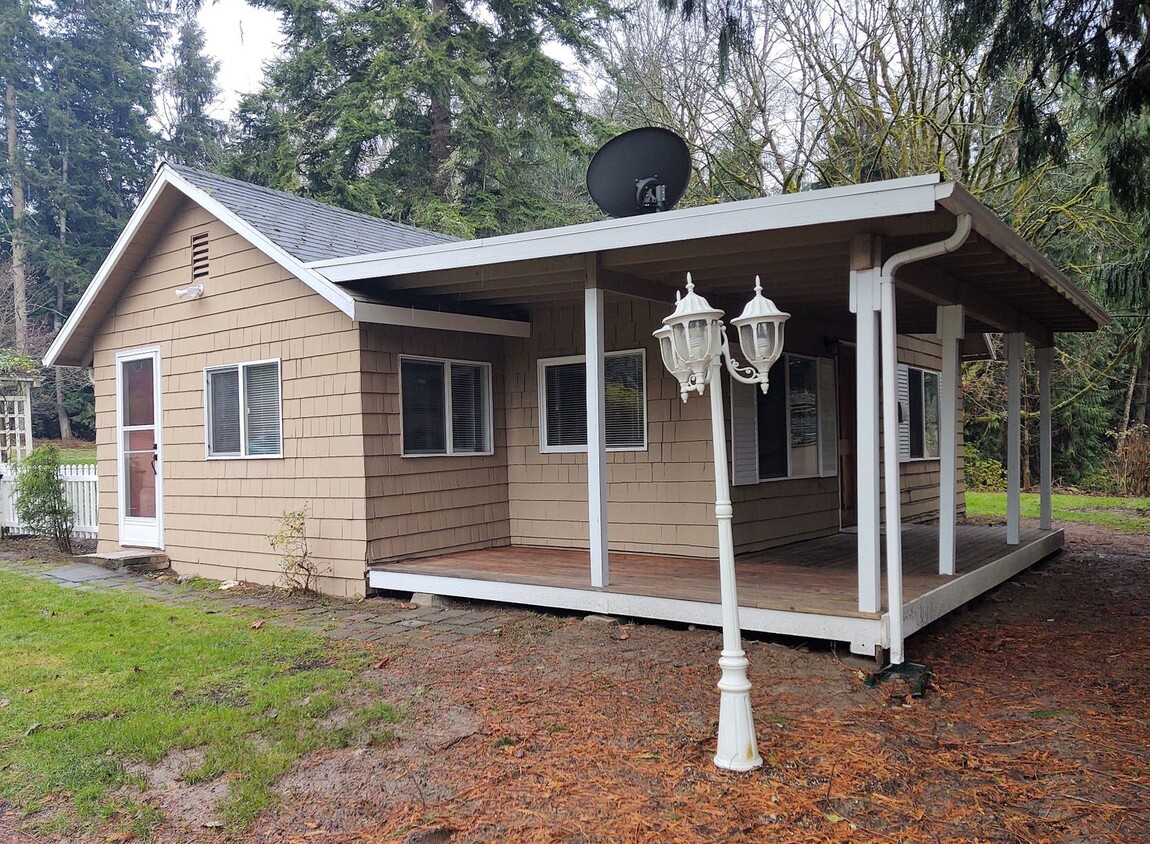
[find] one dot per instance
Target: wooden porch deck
(807, 588)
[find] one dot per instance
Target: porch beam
(1044, 358)
(596, 426)
(945, 290)
(866, 258)
(1015, 351)
(951, 331)
(635, 287)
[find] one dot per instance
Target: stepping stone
(131, 560)
(81, 573)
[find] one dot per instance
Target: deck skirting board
(936, 603)
(864, 634)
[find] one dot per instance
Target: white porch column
(864, 303)
(596, 433)
(891, 473)
(1015, 351)
(951, 330)
(1044, 358)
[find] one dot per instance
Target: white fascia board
(418, 318)
(854, 202)
(151, 196)
(958, 200)
(338, 297)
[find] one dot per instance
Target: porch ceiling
(805, 266)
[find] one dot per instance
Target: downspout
(891, 485)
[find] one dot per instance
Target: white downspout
(891, 485)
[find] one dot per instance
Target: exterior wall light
(693, 344)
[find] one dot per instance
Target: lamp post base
(737, 748)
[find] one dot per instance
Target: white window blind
(563, 388)
(446, 407)
(744, 434)
(243, 410)
(918, 429)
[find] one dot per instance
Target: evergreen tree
(449, 115)
(188, 88)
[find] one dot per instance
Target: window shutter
(903, 412)
(745, 433)
(626, 399)
(828, 419)
(224, 401)
(262, 399)
(468, 398)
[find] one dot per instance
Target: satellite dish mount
(639, 172)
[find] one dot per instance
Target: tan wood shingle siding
(218, 513)
(426, 505)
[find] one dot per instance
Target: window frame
(488, 413)
(241, 369)
(909, 456)
(818, 473)
(541, 389)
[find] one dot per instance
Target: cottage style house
(428, 400)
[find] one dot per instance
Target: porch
(806, 589)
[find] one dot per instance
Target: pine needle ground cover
(1130, 515)
(97, 687)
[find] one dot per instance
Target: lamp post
(693, 344)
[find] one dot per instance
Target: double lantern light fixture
(693, 343)
(693, 339)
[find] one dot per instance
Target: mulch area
(547, 728)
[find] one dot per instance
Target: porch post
(1015, 349)
(864, 303)
(596, 428)
(1045, 361)
(951, 329)
(891, 472)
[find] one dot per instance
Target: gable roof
(304, 228)
(291, 230)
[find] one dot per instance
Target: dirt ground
(1035, 729)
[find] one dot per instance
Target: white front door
(140, 469)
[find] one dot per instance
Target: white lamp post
(693, 343)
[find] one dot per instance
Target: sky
(242, 39)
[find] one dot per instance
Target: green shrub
(1130, 465)
(40, 501)
(983, 474)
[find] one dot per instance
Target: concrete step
(130, 560)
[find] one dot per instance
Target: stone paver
(374, 620)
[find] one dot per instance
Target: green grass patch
(74, 456)
(98, 681)
(1129, 515)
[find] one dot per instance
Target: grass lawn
(1130, 515)
(91, 683)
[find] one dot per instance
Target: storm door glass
(139, 432)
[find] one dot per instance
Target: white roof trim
(854, 202)
(338, 297)
(443, 320)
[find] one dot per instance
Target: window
(243, 410)
(792, 430)
(446, 407)
(563, 402)
(918, 413)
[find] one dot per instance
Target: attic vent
(199, 257)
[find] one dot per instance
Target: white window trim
(541, 389)
(488, 414)
(905, 455)
(243, 455)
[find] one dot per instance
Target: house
(428, 400)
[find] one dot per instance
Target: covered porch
(806, 589)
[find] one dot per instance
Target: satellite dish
(639, 172)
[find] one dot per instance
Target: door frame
(847, 365)
(134, 531)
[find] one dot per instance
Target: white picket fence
(81, 487)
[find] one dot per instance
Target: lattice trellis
(15, 419)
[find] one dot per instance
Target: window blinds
(262, 405)
(224, 408)
(565, 402)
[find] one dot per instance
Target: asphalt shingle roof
(304, 228)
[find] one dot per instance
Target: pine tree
(188, 88)
(449, 115)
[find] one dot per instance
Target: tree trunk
(19, 250)
(440, 121)
(1135, 369)
(57, 316)
(1143, 393)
